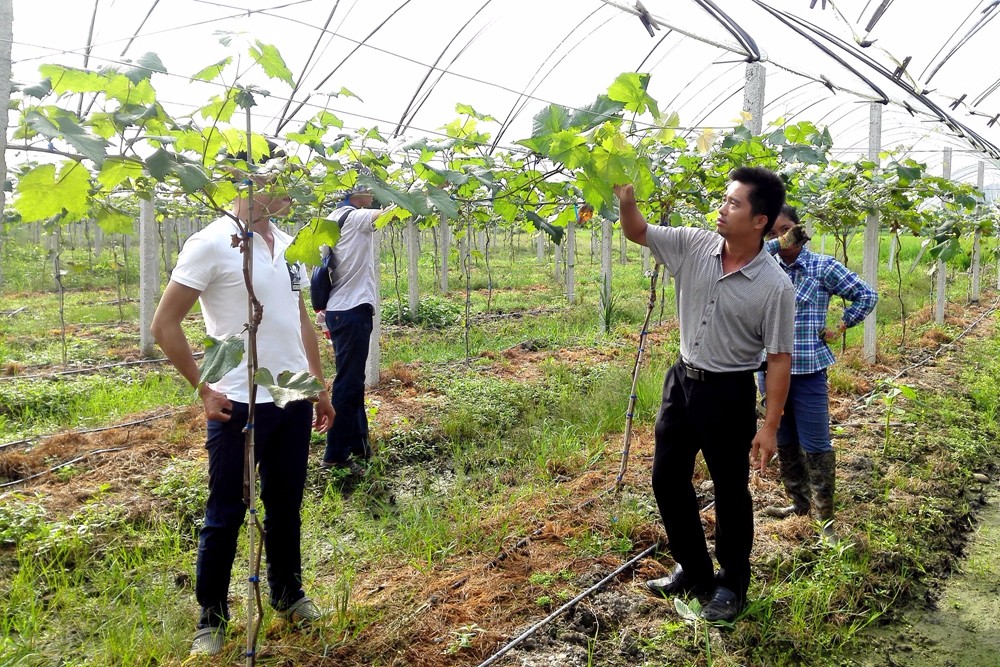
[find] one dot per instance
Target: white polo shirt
(355, 280)
(209, 264)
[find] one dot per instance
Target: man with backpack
(349, 316)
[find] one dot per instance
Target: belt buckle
(694, 373)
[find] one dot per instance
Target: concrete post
(870, 261)
(412, 265)
(753, 96)
(977, 240)
(942, 272)
(374, 346)
(149, 274)
(445, 252)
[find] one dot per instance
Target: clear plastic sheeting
(409, 62)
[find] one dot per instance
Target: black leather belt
(701, 375)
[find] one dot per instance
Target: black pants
(350, 331)
(281, 447)
(715, 416)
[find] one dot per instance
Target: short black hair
(789, 212)
(767, 192)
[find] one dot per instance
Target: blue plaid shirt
(816, 278)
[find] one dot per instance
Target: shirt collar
(754, 266)
(800, 260)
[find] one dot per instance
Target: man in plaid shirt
(804, 449)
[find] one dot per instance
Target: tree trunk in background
(149, 274)
(540, 247)
(623, 247)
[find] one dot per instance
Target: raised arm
(633, 224)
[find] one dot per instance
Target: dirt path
(961, 629)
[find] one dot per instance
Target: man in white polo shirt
(210, 270)
(733, 303)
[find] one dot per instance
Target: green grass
(109, 582)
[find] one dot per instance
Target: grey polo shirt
(727, 321)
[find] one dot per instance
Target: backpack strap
(340, 220)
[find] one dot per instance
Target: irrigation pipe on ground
(28, 441)
(542, 623)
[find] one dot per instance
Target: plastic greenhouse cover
(409, 62)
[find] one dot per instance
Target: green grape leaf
(126, 91)
(72, 80)
(212, 71)
(191, 175)
(550, 120)
(272, 62)
(304, 247)
(147, 64)
(630, 89)
(289, 386)
(221, 356)
(467, 110)
(388, 194)
(43, 194)
(554, 232)
(66, 128)
(113, 221)
(602, 109)
(115, 170)
(39, 90)
(443, 202)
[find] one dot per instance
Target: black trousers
(716, 416)
(350, 331)
(281, 447)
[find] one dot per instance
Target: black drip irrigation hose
(569, 605)
(944, 347)
(61, 465)
(28, 441)
(91, 369)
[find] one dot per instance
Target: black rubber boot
(796, 480)
(822, 477)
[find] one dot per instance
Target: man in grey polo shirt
(733, 303)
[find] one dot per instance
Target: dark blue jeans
(350, 331)
(281, 448)
(806, 420)
(715, 416)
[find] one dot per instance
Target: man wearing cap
(349, 316)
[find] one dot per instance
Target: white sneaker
(302, 611)
(208, 641)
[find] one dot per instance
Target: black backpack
(321, 281)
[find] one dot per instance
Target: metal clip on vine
(654, 274)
